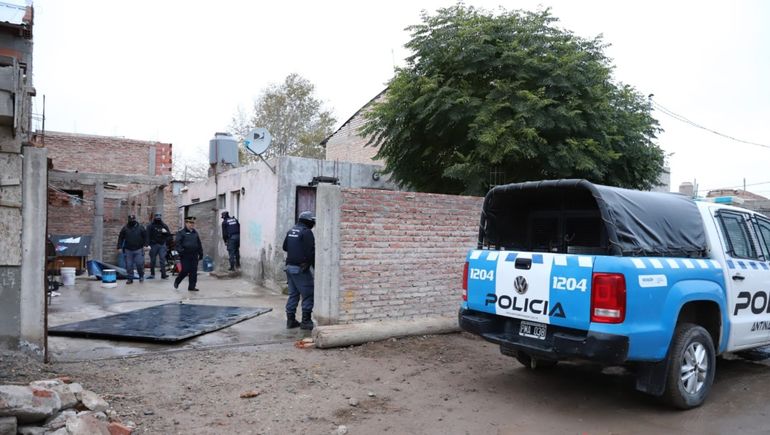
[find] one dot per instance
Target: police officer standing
(299, 245)
(189, 246)
(131, 241)
(231, 234)
(159, 234)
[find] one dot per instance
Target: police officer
(131, 241)
(299, 245)
(231, 234)
(189, 246)
(159, 234)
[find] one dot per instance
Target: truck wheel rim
(694, 368)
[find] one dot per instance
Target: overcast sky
(176, 71)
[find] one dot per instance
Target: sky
(177, 71)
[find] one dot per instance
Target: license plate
(532, 330)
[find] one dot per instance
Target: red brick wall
(70, 216)
(105, 154)
(402, 253)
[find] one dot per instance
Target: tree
(187, 168)
(490, 99)
(293, 116)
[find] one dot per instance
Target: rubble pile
(57, 407)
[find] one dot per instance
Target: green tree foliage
(490, 99)
(294, 117)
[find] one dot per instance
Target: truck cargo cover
(637, 223)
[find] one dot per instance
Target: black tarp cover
(637, 223)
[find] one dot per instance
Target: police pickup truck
(566, 269)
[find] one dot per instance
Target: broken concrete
(8, 425)
(28, 404)
(37, 410)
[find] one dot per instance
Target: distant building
(347, 145)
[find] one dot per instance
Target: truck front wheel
(691, 367)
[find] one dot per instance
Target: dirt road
(451, 384)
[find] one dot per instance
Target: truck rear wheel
(691, 367)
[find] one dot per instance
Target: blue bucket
(109, 276)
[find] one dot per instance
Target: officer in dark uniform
(299, 245)
(231, 234)
(189, 246)
(159, 234)
(131, 242)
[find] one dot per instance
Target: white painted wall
(258, 188)
(267, 205)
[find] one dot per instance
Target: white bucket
(68, 276)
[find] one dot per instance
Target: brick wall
(347, 145)
(105, 154)
(402, 253)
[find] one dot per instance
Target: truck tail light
(608, 298)
(465, 281)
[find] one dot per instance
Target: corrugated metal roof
(13, 14)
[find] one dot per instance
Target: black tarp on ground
(165, 323)
(637, 223)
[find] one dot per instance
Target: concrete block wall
(389, 255)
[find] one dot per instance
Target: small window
(738, 238)
(221, 204)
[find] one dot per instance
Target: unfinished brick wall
(106, 154)
(402, 253)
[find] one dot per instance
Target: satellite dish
(257, 140)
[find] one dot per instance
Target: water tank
(223, 149)
(687, 189)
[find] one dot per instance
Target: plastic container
(109, 278)
(68, 276)
(208, 264)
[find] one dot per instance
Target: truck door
(748, 278)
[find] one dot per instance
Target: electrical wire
(681, 118)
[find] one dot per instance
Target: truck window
(763, 228)
(736, 233)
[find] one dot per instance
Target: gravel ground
(446, 384)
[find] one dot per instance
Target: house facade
(267, 198)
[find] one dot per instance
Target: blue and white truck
(658, 282)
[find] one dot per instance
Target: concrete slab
(88, 300)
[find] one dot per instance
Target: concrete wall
(18, 325)
(257, 188)
(390, 255)
(34, 187)
(267, 206)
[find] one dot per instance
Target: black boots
(306, 322)
(291, 321)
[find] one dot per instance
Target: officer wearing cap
(131, 242)
(231, 234)
(299, 245)
(190, 249)
(159, 234)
